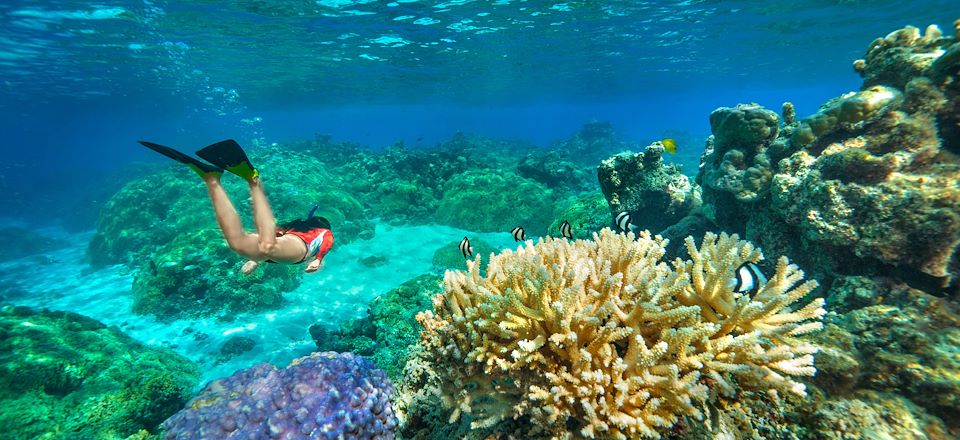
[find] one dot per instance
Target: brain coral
(601, 339)
(323, 396)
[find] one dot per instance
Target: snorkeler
(292, 242)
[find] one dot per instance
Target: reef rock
(655, 195)
(64, 375)
(868, 183)
(324, 395)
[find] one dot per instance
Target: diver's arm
(325, 245)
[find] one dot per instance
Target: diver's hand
(313, 266)
(249, 267)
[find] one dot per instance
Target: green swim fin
(200, 167)
(229, 155)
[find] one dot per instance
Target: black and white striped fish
(518, 234)
(465, 248)
(565, 230)
(623, 222)
(748, 279)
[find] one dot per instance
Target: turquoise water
(415, 124)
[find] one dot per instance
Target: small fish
(518, 234)
(191, 267)
(623, 222)
(167, 264)
(465, 248)
(747, 279)
(670, 145)
(565, 230)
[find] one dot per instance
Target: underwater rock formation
(868, 183)
(655, 195)
(603, 339)
(64, 375)
(892, 339)
(324, 395)
(389, 327)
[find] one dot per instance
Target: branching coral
(603, 337)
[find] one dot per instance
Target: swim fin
(200, 167)
(229, 155)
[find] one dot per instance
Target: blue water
(80, 82)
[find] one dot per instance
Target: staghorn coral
(601, 339)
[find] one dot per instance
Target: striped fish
(748, 279)
(518, 234)
(465, 248)
(565, 230)
(623, 222)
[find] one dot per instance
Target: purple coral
(321, 396)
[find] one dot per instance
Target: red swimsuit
(318, 241)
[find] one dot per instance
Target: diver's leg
(263, 218)
(239, 240)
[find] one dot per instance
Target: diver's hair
(306, 224)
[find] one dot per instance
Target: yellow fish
(670, 145)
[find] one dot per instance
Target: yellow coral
(603, 336)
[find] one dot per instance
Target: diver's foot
(200, 167)
(230, 156)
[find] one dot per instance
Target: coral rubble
(324, 395)
(602, 338)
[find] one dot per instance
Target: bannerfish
(623, 222)
(670, 145)
(465, 248)
(518, 234)
(565, 230)
(747, 279)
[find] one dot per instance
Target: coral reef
(587, 213)
(865, 184)
(595, 141)
(195, 275)
(324, 395)
(64, 375)
(735, 163)
(450, 257)
(600, 338)
(655, 195)
(893, 339)
(491, 200)
(387, 330)
(555, 169)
